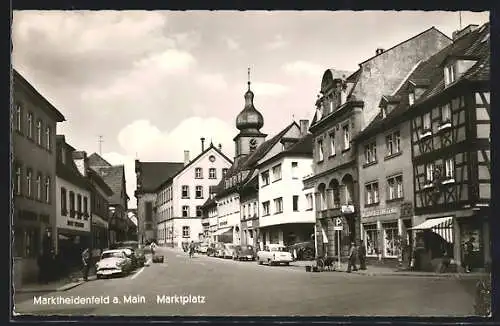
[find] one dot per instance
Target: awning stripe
(222, 231)
(442, 226)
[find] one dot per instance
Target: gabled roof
(170, 178)
(303, 147)
(431, 71)
(114, 176)
(95, 160)
(249, 162)
(93, 175)
(153, 174)
(18, 79)
(68, 170)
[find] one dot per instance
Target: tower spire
(248, 78)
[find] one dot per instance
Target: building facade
(73, 198)
(450, 126)
(99, 204)
(150, 175)
(114, 176)
(34, 123)
(344, 108)
(286, 216)
(249, 212)
(179, 200)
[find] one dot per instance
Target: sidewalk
(388, 271)
(63, 284)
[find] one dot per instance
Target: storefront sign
(75, 224)
(223, 223)
(347, 209)
(379, 212)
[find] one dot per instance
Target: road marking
(139, 272)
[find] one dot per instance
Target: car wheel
(259, 261)
(270, 262)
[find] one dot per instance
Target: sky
(152, 83)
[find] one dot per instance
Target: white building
(180, 198)
(286, 214)
(73, 205)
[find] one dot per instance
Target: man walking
(353, 253)
(86, 263)
(362, 255)
(469, 248)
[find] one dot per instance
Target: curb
(62, 288)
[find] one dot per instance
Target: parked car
(228, 250)
(136, 255)
(243, 252)
(202, 248)
(274, 254)
(113, 262)
(215, 249)
(303, 250)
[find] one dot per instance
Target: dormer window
(411, 98)
(449, 74)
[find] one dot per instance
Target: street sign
(338, 224)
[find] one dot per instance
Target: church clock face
(253, 144)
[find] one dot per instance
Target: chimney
(304, 126)
(458, 34)
(379, 51)
(186, 158)
(202, 143)
(220, 147)
(80, 159)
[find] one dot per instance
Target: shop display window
(390, 239)
(371, 239)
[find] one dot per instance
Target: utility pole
(100, 141)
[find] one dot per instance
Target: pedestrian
(191, 249)
(353, 252)
(469, 248)
(152, 246)
(86, 263)
(362, 255)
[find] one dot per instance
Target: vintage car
(136, 255)
(227, 252)
(215, 249)
(113, 262)
(243, 252)
(202, 248)
(274, 254)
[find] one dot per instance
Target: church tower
(249, 122)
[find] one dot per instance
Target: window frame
(278, 205)
(295, 168)
(212, 173)
(395, 184)
(186, 231)
(185, 192)
(185, 210)
(372, 188)
(29, 121)
(279, 175)
(346, 133)
(198, 173)
(266, 204)
(265, 177)
(38, 183)
(370, 152)
(332, 144)
(48, 138)
(29, 182)
(39, 127)
(295, 203)
(198, 191)
(321, 153)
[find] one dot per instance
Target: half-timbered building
(450, 127)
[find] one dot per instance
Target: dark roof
(209, 203)
(114, 176)
(153, 174)
(18, 78)
(249, 162)
(95, 160)
(165, 181)
(303, 147)
(68, 171)
(93, 175)
(431, 71)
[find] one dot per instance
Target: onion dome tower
(249, 122)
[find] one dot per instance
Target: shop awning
(442, 226)
(222, 231)
(433, 223)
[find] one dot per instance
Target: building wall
(229, 214)
(285, 188)
(62, 221)
(248, 211)
(173, 230)
(187, 177)
(385, 211)
(28, 154)
(144, 232)
(383, 74)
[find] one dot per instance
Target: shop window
(371, 239)
(390, 239)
